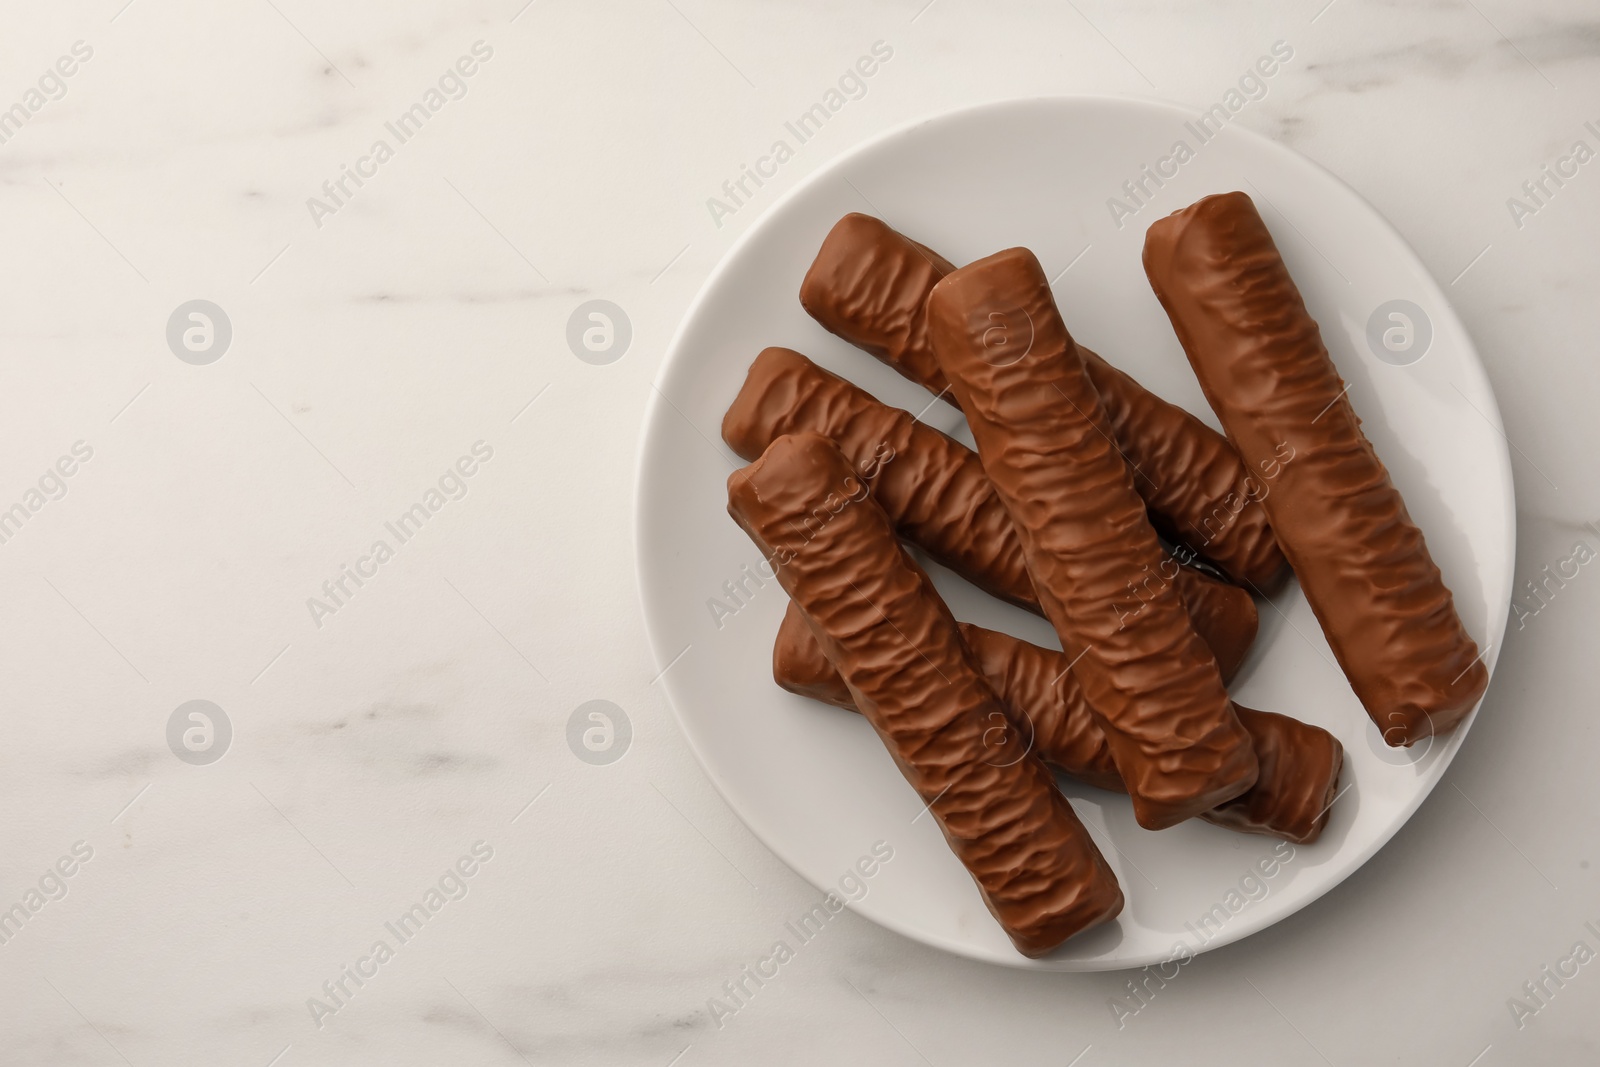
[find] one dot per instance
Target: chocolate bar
(877, 617)
(938, 497)
(1044, 441)
(1362, 562)
(869, 285)
(1300, 763)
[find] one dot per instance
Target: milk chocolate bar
(877, 616)
(869, 285)
(1044, 441)
(1300, 763)
(937, 495)
(1363, 564)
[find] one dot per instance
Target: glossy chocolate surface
(1363, 564)
(1300, 763)
(869, 285)
(878, 618)
(936, 493)
(1044, 441)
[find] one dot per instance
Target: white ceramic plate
(813, 782)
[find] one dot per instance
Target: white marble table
(409, 732)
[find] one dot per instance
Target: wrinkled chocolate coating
(1300, 766)
(1045, 444)
(1363, 564)
(1197, 489)
(1040, 696)
(869, 285)
(876, 614)
(932, 486)
(935, 491)
(1300, 763)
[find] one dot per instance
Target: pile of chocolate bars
(1109, 511)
